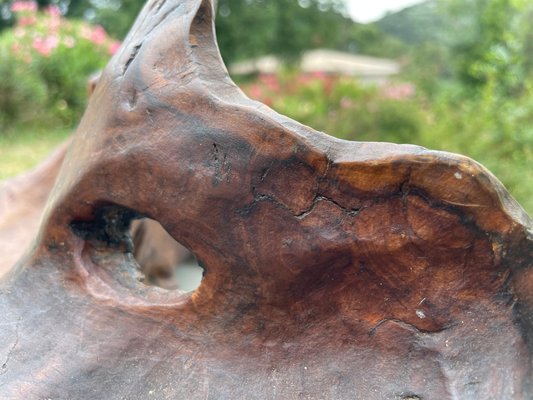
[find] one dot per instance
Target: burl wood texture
(334, 269)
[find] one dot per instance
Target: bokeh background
(454, 75)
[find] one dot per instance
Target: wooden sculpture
(334, 269)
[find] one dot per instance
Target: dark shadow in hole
(164, 262)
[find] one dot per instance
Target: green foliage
(22, 94)
(343, 107)
(47, 60)
(474, 77)
(428, 66)
(498, 133)
(283, 27)
(370, 40)
(414, 25)
(286, 28)
(116, 17)
(485, 42)
(476, 43)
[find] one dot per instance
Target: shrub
(496, 131)
(55, 57)
(343, 107)
(23, 95)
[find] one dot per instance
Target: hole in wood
(164, 261)
(161, 259)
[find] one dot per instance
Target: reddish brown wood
(22, 200)
(334, 269)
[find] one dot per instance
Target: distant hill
(413, 25)
(396, 34)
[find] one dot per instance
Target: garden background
(466, 84)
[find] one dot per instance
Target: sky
(372, 10)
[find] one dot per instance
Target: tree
(245, 28)
(370, 40)
(248, 28)
(486, 41)
(116, 16)
(417, 24)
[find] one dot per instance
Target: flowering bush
(341, 106)
(52, 54)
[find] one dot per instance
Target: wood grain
(334, 269)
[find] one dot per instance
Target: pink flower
(52, 41)
(270, 81)
(26, 21)
(304, 79)
(21, 6)
(54, 18)
(113, 47)
(398, 92)
(255, 92)
(15, 47)
(320, 75)
(53, 10)
(346, 102)
(53, 25)
(98, 35)
(45, 46)
(40, 46)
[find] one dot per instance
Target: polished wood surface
(334, 269)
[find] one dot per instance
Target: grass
(22, 149)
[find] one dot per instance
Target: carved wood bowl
(334, 269)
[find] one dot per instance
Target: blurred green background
(464, 79)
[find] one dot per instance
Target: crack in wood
(10, 352)
(133, 55)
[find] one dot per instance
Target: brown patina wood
(334, 269)
(22, 200)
